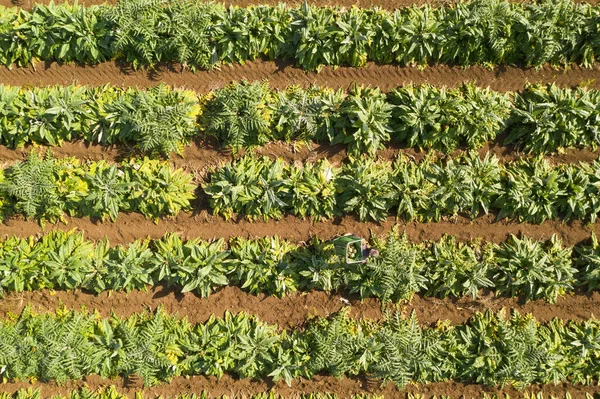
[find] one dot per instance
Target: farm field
(175, 174)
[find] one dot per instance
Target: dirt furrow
(293, 310)
(206, 154)
(344, 387)
(129, 227)
(282, 74)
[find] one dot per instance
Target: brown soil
(343, 387)
(205, 155)
(293, 310)
(386, 4)
(281, 75)
(129, 227)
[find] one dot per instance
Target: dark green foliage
(531, 191)
(31, 187)
(199, 35)
(145, 32)
(470, 185)
(238, 115)
(534, 269)
(445, 268)
(445, 119)
(460, 269)
(489, 348)
(264, 265)
(107, 191)
(161, 120)
(396, 274)
(410, 353)
(158, 120)
(297, 114)
(250, 186)
(547, 118)
(365, 188)
(588, 262)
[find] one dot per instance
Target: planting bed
(485, 220)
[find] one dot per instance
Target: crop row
(202, 35)
(162, 120)
(532, 269)
(530, 190)
(489, 349)
(47, 188)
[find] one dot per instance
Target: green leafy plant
(533, 188)
(396, 274)
(250, 186)
(536, 271)
(264, 264)
(238, 115)
(457, 270)
(588, 264)
(364, 121)
(547, 118)
(365, 187)
(157, 120)
(447, 118)
(31, 186)
(311, 190)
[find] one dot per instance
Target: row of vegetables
(445, 268)
(161, 120)
(489, 349)
(48, 188)
(204, 35)
(529, 190)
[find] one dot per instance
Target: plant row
(48, 188)
(160, 120)
(529, 190)
(156, 120)
(525, 267)
(204, 35)
(539, 119)
(112, 393)
(489, 349)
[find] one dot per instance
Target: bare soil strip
(284, 74)
(201, 156)
(129, 227)
(386, 4)
(293, 310)
(344, 387)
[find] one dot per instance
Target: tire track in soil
(292, 311)
(282, 75)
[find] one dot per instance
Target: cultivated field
(175, 172)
